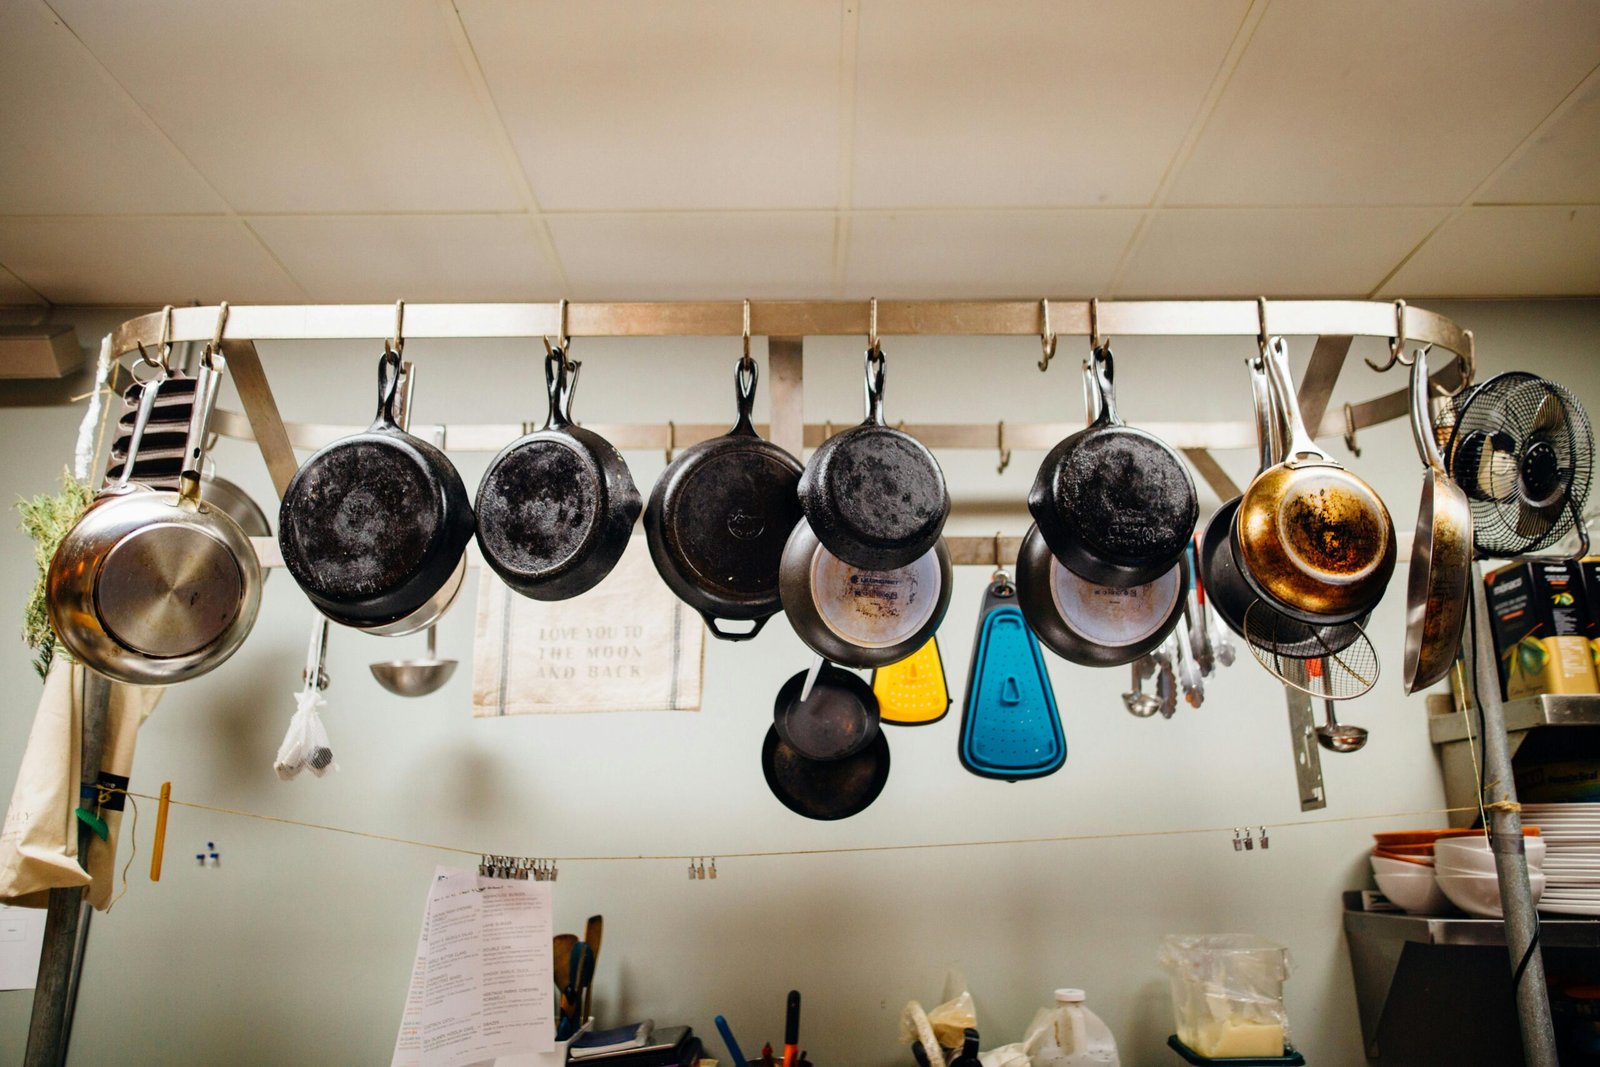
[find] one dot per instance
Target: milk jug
(1072, 1036)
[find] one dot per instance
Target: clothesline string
(770, 853)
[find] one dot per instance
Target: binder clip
(1265, 844)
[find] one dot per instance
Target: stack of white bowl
(1572, 864)
(1465, 871)
(1409, 884)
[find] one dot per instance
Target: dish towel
(627, 644)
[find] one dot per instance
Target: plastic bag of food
(1227, 993)
(305, 747)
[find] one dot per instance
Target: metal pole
(1510, 852)
(66, 925)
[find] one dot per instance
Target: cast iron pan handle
(876, 365)
(388, 390)
(733, 635)
(744, 395)
(555, 384)
(1102, 370)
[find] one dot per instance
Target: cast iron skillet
(1115, 504)
(373, 525)
(857, 616)
(555, 507)
(838, 719)
(718, 519)
(875, 495)
(1091, 624)
(825, 789)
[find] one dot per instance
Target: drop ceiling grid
(843, 216)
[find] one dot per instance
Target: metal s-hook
(1397, 343)
(1095, 340)
(215, 347)
(672, 439)
(872, 324)
(1000, 443)
(164, 349)
(397, 343)
(1469, 371)
(563, 339)
(1263, 337)
(1047, 337)
(1350, 431)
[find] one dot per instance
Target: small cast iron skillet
(373, 525)
(875, 495)
(555, 507)
(838, 719)
(825, 789)
(718, 519)
(1115, 504)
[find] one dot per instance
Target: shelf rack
(786, 324)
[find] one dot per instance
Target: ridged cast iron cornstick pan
(719, 516)
(874, 495)
(1115, 504)
(374, 525)
(555, 507)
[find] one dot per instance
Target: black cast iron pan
(718, 519)
(825, 789)
(373, 525)
(836, 720)
(875, 495)
(555, 507)
(1115, 504)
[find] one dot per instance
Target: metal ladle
(1139, 702)
(415, 677)
(1337, 738)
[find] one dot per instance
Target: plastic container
(1227, 994)
(1290, 1057)
(1070, 1035)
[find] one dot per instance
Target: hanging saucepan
(825, 789)
(718, 519)
(152, 587)
(837, 718)
(1115, 504)
(1092, 624)
(1312, 539)
(1441, 554)
(1234, 598)
(375, 525)
(860, 617)
(875, 495)
(556, 507)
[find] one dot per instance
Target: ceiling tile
(1508, 251)
(985, 253)
(364, 258)
(687, 257)
(300, 105)
(1562, 166)
(1035, 104)
(70, 141)
(1332, 252)
(13, 292)
(618, 105)
(143, 261)
(1385, 102)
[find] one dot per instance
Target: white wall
(297, 949)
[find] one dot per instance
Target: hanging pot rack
(786, 323)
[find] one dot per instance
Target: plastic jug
(1070, 1035)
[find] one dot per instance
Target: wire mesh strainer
(1332, 662)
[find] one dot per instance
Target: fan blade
(1551, 414)
(1534, 523)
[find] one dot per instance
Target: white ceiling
(369, 150)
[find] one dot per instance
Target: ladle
(1139, 702)
(1337, 738)
(415, 677)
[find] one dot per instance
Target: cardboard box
(1541, 622)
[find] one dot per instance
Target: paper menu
(481, 986)
(21, 937)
